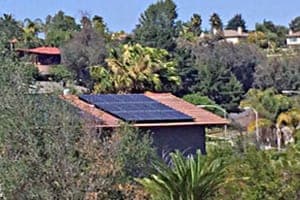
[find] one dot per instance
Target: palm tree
(134, 68)
(31, 29)
(192, 178)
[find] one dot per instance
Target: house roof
(233, 34)
(201, 116)
(293, 34)
(42, 50)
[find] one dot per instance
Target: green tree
(186, 69)
(235, 22)
(196, 60)
(191, 30)
(195, 24)
(275, 34)
(262, 175)
(216, 22)
(217, 82)
(281, 73)
(295, 24)
(100, 26)
(259, 38)
(134, 152)
(268, 104)
(10, 27)
(48, 153)
(10, 30)
(198, 99)
(60, 73)
(30, 32)
(59, 29)
(275, 113)
(156, 26)
(38, 137)
(134, 68)
(188, 178)
(85, 49)
(240, 59)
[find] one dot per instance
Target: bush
(60, 73)
(198, 99)
(188, 178)
(31, 73)
(134, 152)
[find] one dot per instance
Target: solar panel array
(135, 108)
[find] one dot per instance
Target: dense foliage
(280, 73)
(85, 49)
(48, 152)
(216, 22)
(59, 28)
(134, 68)
(187, 178)
(295, 24)
(262, 174)
(156, 26)
(274, 34)
(236, 22)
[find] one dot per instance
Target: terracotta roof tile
(201, 116)
(107, 119)
(234, 33)
(293, 34)
(42, 50)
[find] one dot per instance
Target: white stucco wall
(232, 40)
(293, 41)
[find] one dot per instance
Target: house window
(293, 39)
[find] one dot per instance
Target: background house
(232, 36)
(235, 36)
(186, 134)
(293, 38)
(43, 57)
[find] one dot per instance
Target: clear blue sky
(124, 14)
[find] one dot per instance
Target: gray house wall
(187, 139)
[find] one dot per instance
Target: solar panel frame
(135, 108)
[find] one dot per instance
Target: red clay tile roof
(234, 33)
(108, 119)
(201, 116)
(293, 34)
(42, 50)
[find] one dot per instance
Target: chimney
(240, 30)
(215, 31)
(202, 35)
(290, 32)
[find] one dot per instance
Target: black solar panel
(135, 108)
